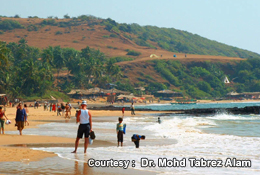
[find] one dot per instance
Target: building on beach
(167, 94)
(94, 92)
(243, 95)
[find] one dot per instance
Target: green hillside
(150, 36)
(27, 71)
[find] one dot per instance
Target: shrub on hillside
(133, 53)
(10, 25)
(119, 59)
(32, 27)
(58, 33)
(50, 22)
(16, 16)
(113, 35)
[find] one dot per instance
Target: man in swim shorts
(85, 127)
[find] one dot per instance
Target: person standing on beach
(20, 118)
(27, 114)
(120, 131)
(54, 107)
(70, 107)
(67, 111)
(51, 107)
(85, 127)
(62, 108)
(123, 111)
(132, 109)
(136, 139)
(58, 110)
(2, 121)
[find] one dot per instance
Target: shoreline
(20, 146)
(17, 150)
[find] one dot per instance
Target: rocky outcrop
(245, 110)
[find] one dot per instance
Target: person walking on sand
(85, 127)
(120, 131)
(136, 139)
(2, 121)
(27, 114)
(67, 108)
(20, 118)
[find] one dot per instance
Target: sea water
(218, 137)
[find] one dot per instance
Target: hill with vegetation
(43, 57)
(110, 37)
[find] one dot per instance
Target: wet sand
(15, 150)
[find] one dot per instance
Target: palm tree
(47, 55)
(58, 58)
(3, 53)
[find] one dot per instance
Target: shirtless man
(67, 108)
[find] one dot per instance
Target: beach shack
(168, 94)
(243, 95)
(92, 93)
(3, 99)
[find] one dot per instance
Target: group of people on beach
(59, 108)
(120, 129)
(83, 116)
(21, 118)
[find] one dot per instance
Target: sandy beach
(16, 148)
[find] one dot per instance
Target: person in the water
(136, 139)
(159, 120)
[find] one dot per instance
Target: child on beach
(136, 139)
(2, 121)
(120, 131)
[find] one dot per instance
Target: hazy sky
(233, 22)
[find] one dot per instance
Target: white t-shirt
(84, 117)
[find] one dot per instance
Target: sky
(232, 22)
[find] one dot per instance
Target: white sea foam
(190, 142)
(224, 116)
